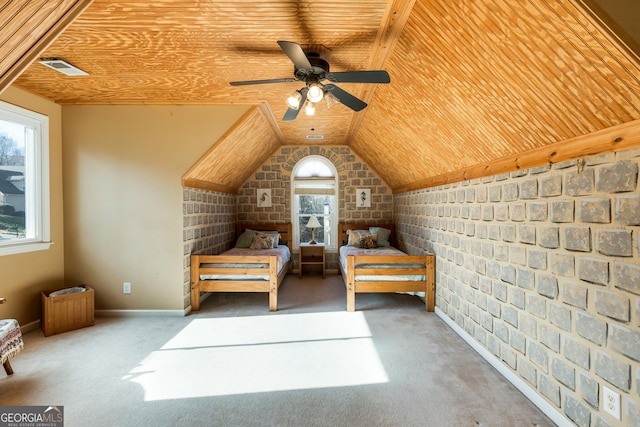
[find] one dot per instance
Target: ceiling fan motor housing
(320, 68)
(319, 65)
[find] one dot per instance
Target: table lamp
(313, 224)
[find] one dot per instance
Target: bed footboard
(199, 267)
(362, 275)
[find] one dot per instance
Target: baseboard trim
(140, 313)
(32, 326)
(549, 410)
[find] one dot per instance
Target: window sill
(20, 248)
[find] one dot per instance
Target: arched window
(314, 195)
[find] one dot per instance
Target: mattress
(282, 252)
(345, 251)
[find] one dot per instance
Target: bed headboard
(343, 237)
(285, 231)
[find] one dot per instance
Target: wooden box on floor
(64, 313)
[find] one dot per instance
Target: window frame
(295, 204)
(37, 180)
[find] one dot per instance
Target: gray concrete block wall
(210, 218)
(353, 173)
(542, 268)
(209, 227)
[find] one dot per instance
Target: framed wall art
(264, 197)
(363, 197)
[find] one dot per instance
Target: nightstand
(311, 255)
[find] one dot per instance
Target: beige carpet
(235, 364)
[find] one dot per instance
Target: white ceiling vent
(63, 66)
(315, 136)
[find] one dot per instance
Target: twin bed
(383, 268)
(243, 269)
(378, 269)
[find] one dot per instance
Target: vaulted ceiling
(472, 82)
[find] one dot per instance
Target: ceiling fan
(312, 69)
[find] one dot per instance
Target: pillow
(245, 239)
(383, 236)
(355, 236)
(262, 241)
(368, 242)
(276, 237)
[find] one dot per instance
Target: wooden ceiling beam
(395, 18)
(208, 186)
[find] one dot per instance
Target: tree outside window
(24, 180)
(320, 207)
(12, 180)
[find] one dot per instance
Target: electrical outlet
(126, 288)
(611, 402)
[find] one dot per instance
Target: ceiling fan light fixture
(330, 99)
(310, 109)
(293, 101)
(315, 93)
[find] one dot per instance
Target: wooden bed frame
(271, 286)
(353, 286)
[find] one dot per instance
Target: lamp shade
(315, 93)
(294, 100)
(330, 99)
(310, 108)
(313, 222)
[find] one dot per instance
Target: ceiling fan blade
(346, 98)
(291, 114)
(296, 55)
(373, 76)
(261, 82)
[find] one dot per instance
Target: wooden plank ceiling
(27, 28)
(471, 81)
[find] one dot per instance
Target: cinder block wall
(542, 268)
(210, 217)
(353, 173)
(209, 227)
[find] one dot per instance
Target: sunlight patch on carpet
(226, 356)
